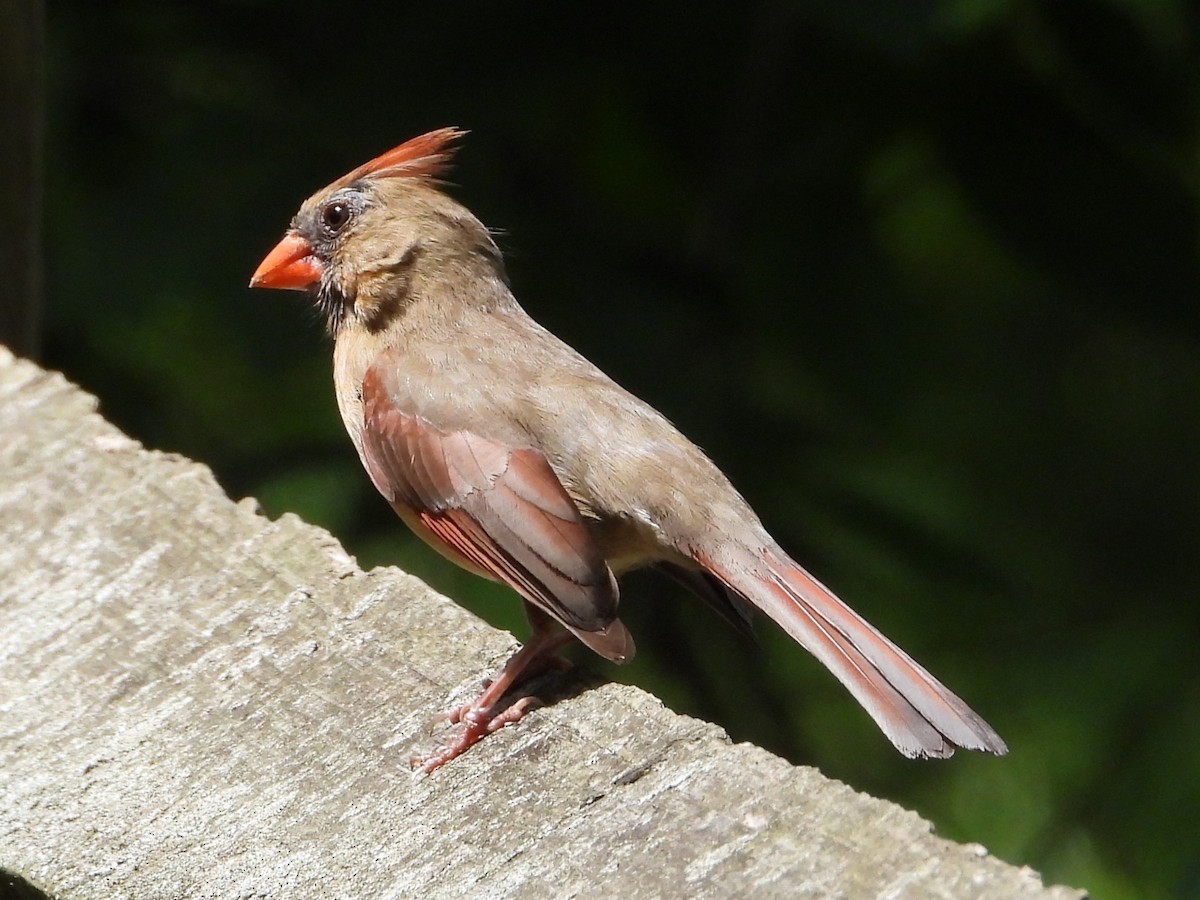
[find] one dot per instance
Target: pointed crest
(425, 156)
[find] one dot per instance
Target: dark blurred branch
(22, 45)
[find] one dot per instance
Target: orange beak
(290, 266)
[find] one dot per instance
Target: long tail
(915, 710)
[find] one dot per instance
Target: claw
(478, 723)
(449, 716)
(513, 714)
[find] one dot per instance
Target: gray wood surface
(196, 701)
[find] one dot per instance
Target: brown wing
(501, 510)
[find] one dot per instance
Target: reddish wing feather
(503, 510)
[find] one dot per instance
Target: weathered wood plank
(196, 701)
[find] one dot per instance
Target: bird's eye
(335, 215)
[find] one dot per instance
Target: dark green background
(922, 277)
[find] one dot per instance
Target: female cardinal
(518, 459)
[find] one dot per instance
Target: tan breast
(352, 356)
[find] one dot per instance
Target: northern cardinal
(519, 460)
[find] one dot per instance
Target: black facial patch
(332, 303)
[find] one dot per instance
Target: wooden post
(196, 701)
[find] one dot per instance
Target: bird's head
(361, 245)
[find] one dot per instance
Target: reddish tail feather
(916, 711)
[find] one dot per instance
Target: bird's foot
(553, 663)
(478, 722)
(485, 714)
(459, 713)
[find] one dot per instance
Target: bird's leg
(483, 715)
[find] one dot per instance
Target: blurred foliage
(922, 277)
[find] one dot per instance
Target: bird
(516, 458)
